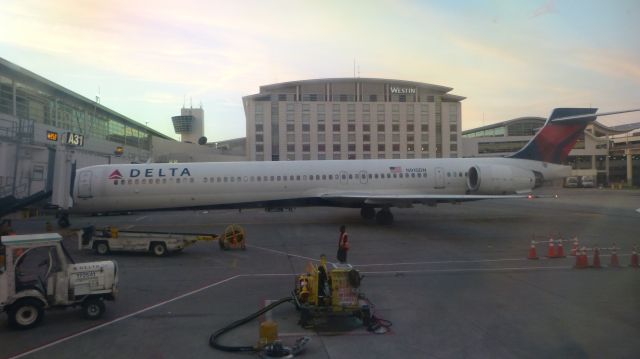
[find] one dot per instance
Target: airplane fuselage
(352, 183)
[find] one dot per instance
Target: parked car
(571, 182)
(588, 182)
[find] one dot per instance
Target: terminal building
(608, 154)
(352, 118)
(39, 118)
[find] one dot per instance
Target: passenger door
(84, 184)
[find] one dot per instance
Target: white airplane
(365, 184)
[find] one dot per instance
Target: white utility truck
(37, 273)
(108, 239)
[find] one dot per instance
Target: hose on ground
(213, 339)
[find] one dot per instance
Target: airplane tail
(556, 138)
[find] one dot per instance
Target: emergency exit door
(84, 184)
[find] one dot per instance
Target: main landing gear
(384, 215)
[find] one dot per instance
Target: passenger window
(265, 178)
(331, 177)
(304, 177)
(239, 179)
(122, 182)
(350, 176)
(448, 174)
(137, 181)
(278, 178)
(395, 175)
(115, 182)
(298, 178)
(460, 174)
(272, 178)
(164, 180)
(144, 181)
(205, 180)
(317, 177)
(259, 178)
(252, 178)
(157, 180)
(225, 179)
(388, 175)
(375, 176)
(324, 177)
(310, 177)
(177, 180)
(232, 179)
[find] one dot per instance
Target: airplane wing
(401, 200)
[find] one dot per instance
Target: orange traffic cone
(581, 259)
(560, 253)
(552, 249)
(532, 251)
(634, 258)
(615, 263)
(574, 249)
(596, 258)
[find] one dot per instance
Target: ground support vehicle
(325, 292)
(105, 240)
(37, 273)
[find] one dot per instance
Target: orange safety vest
(344, 241)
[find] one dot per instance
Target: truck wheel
(102, 248)
(159, 249)
(26, 313)
(93, 308)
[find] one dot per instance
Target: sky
(508, 58)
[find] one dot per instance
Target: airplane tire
(63, 222)
(384, 217)
(368, 212)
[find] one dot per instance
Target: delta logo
(152, 172)
(115, 175)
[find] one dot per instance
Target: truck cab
(37, 273)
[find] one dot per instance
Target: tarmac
(454, 281)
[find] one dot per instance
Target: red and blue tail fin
(554, 141)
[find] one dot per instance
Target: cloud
(547, 8)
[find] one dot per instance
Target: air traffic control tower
(190, 125)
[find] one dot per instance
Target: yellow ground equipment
(233, 238)
(323, 292)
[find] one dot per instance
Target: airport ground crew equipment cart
(108, 239)
(332, 290)
(37, 273)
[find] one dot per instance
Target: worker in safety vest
(343, 245)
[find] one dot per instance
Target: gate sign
(74, 139)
